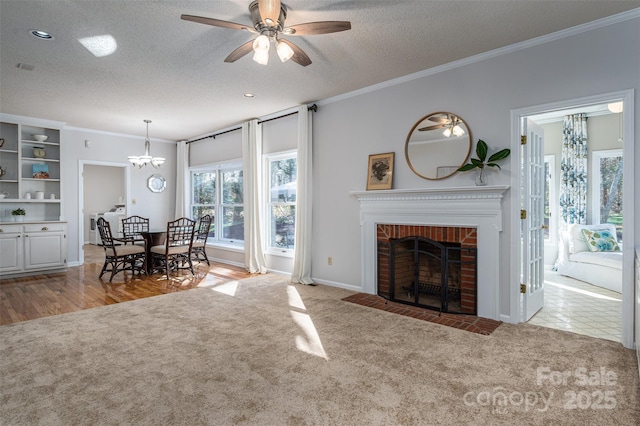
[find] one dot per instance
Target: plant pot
(19, 218)
(481, 177)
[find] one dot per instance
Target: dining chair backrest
(132, 226)
(105, 234)
(175, 253)
(199, 246)
(180, 233)
(204, 226)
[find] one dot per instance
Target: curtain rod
(313, 108)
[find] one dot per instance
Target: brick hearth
(470, 323)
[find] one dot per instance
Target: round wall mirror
(437, 145)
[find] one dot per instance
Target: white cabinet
(44, 246)
(32, 247)
(10, 248)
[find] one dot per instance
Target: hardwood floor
(79, 288)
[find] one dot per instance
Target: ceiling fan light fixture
(261, 57)
(457, 130)
(285, 52)
(261, 43)
(261, 49)
(447, 132)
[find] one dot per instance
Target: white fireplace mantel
(478, 207)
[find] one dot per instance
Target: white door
(532, 217)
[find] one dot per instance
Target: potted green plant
(18, 214)
(482, 150)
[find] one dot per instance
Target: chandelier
(143, 160)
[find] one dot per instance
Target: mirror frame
(156, 183)
(406, 145)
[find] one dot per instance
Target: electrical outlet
(329, 260)
(133, 201)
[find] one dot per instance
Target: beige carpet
(263, 352)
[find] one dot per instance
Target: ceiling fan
(268, 18)
(449, 122)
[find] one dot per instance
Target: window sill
(279, 253)
(237, 248)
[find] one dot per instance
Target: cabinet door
(10, 252)
(44, 250)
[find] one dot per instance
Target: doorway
(102, 185)
(563, 296)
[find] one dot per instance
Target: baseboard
(337, 284)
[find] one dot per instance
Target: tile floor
(579, 307)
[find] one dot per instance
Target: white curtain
(252, 159)
(182, 180)
(302, 252)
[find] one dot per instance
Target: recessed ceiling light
(248, 95)
(43, 35)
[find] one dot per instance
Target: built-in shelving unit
(31, 179)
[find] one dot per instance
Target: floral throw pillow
(600, 240)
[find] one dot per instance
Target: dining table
(152, 237)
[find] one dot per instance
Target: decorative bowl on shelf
(40, 138)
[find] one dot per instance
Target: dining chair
(132, 226)
(119, 257)
(200, 236)
(175, 253)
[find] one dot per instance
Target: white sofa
(576, 260)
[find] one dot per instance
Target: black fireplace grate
(433, 290)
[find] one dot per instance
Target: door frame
(626, 96)
(127, 178)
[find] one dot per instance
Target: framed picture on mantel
(380, 172)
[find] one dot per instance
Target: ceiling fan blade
(437, 126)
(269, 11)
(322, 27)
(216, 22)
(240, 52)
(299, 57)
(436, 119)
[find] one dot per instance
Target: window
(217, 191)
(203, 199)
(606, 194)
(550, 201)
(283, 172)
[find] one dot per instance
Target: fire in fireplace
(425, 272)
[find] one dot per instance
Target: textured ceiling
(172, 71)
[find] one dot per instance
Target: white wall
(348, 129)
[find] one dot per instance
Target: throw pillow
(600, 240)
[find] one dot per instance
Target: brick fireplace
(465, 208)
(429, 266)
